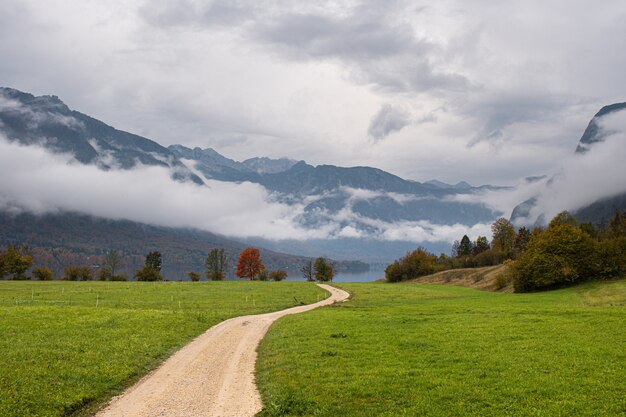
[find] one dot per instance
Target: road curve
(211, 376)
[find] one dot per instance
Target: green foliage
(194, 276)
(567, 253)
(440, 351)
(148, 273)
(153, 260)
(465, 246)
(73, 345)
(324, 270)
(414, 264)
(77, 273)
(216, 265)
(562, 254)
(278, 275)
(14, 262)
(43, 274)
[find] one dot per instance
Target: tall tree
(307, 270)
(15, 261)
(465, 247)
(521, 239)
(249, 264)
(216, 265)
(324, 270)
(153, 260)
(152, 268)
(111, 262)
(503, 236)
(481, 245)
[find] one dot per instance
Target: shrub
(263, 275)
(148, 273)
(278, 275)
(77, 273)
(562, 254)
(194, 276)
(414, 264)
(43, 273)
(119, 277)
(104, 274)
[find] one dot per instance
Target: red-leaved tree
(249, 264)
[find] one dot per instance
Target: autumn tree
(249, 264)
(521, 240)
(278, 275)
(43, 273)
(307, 270)
(503, 236)
(324, 271)
(481, 245)
(216, 265)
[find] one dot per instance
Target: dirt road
(211, 376)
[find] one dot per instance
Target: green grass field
(67, 346)
(433, 350)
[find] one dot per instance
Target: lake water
(360, 277)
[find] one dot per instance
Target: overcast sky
(482, 91)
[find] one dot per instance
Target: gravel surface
(211, 376)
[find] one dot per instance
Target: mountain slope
(600, 210)
(61, 239)
(47, 121)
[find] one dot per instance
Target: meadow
(435, 350)
(65, 347)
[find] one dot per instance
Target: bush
(278, 275)
(77, 273)
(194, 276)
(148, 273)
(562, 254)
(119, 277)
(263, 275)
(104, 274)
(43, 273)
(414, 264)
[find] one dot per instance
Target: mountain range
(363, 212)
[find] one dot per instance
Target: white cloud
(35, 180)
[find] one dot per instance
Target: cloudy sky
(482, 91)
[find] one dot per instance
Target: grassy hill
(436, 350)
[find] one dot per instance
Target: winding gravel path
(211, 376)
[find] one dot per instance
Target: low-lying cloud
(35, 180)
(578, 181)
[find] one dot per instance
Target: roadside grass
(435, 350)
(66, 347)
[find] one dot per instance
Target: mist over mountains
(55, 160)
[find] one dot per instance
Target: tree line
(565, 252)
(16, 261)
